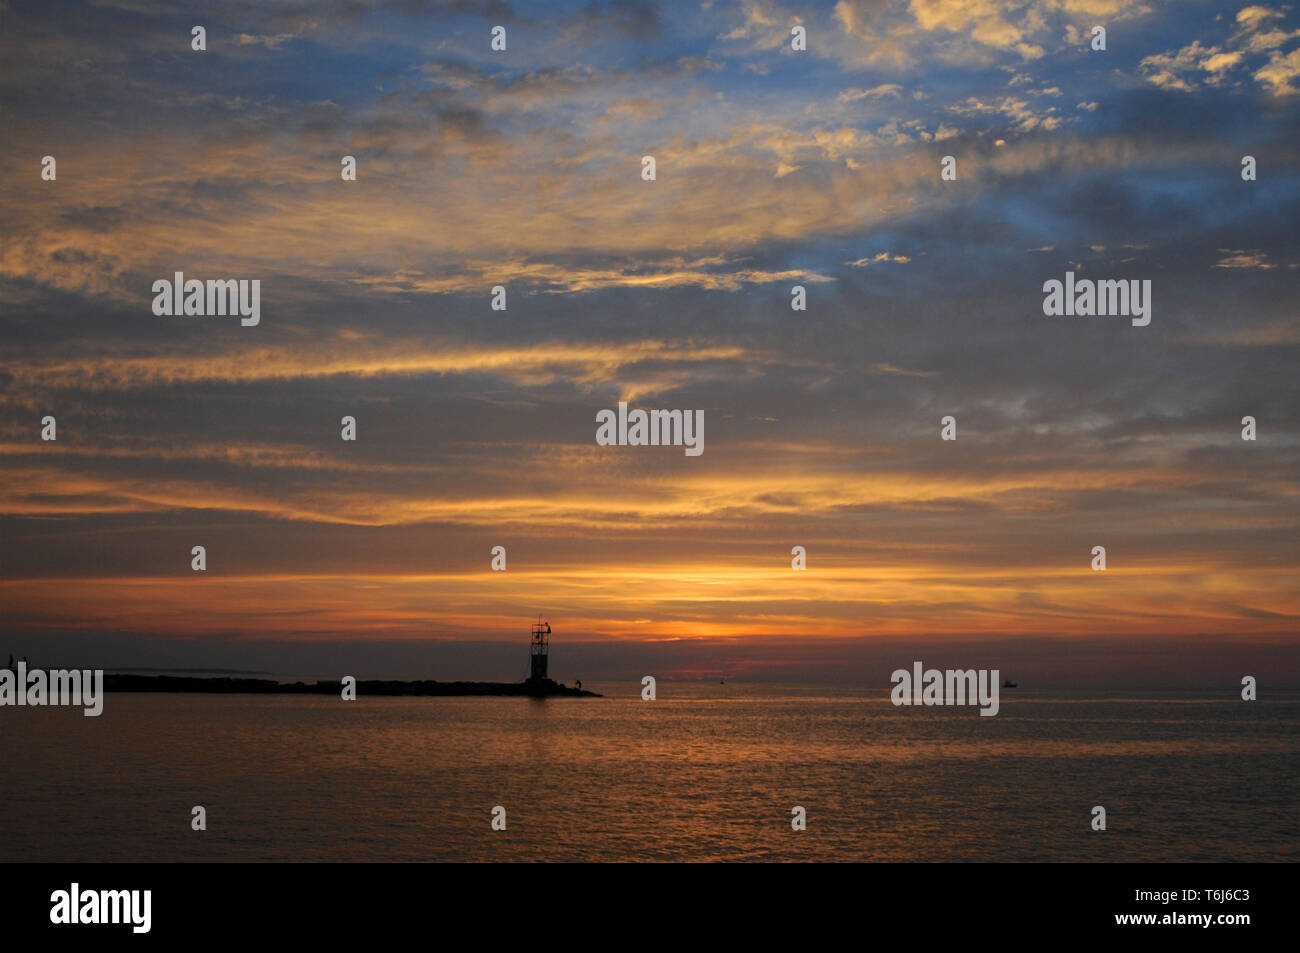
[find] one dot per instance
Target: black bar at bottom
(647, 903)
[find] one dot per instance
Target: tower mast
(537, 651)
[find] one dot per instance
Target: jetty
(544, 688)
(538, 684)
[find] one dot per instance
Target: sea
(705, 772)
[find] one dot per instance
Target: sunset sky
(476, 428)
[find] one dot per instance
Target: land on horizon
(114, 682)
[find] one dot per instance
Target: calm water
(705, 772)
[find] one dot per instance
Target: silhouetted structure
(538, 651)
(537, 685)
(262, 686)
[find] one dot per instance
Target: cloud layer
(774, 169)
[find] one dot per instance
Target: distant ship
(1009, 684)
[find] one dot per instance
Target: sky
(476, 427)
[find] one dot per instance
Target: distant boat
(1008, 684)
